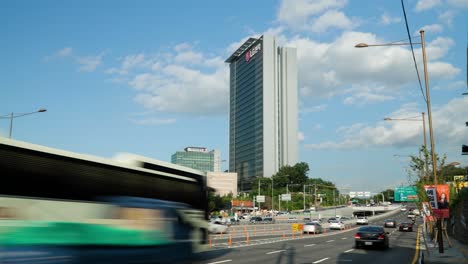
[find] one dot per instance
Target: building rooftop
(247, 44)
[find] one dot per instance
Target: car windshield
(373, 229)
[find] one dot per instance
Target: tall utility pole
(304, 197)
(425, 146)
(258, 194)
(429, 111)
(271, 194)
(315, 196)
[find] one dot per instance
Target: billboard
(261, 198)
(239, 203)
(406, 194)
(439, 199)
(285, 197)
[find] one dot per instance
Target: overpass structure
(373, 210)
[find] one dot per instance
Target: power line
(412, 51)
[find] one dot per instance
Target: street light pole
(11, 123)
(425, 146)
(429, 110)
(304, 197)
(271, 194)
(12, 115)
(428, 101)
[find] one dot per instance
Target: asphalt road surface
(330, 247)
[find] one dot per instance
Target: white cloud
(154, 121)
(451, 86)
(181, 89)
(442, 70)
(300, 136)
(423, 5)
(316, 127)
(317, 108)
(86, 63)
(385, 68)
(433, 28)
(438, 48)
(65, 52)
(458, 3)
(332, 19)
(366, 97)
(62, 53)
(89, 63)
(296, 13)
(386, 19)
(189, 57)
(448, 122)
(447, 17)
(128, 63)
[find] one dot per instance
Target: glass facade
(263, 109)
(246, 117)
(204, 161)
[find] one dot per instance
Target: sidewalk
(458, 253)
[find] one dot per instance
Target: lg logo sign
(252, 52)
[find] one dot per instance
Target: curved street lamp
(13, 115)
(428, 102)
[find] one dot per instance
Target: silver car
(312, 227)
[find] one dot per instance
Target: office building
(263, 113)
(198, 158)
(224, 183)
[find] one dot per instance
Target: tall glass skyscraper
(263, 113)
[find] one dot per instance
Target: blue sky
(149, 77)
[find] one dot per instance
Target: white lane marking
(310, 245)
(318, 261)
(349, 250)
(222, 261)
(344, 238)
(277, 251)
(330, 241)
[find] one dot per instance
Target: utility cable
(412, 51)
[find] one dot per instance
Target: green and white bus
(64, 207)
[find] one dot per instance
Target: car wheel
(356, 245)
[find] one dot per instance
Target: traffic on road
(390, 244)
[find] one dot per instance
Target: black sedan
(390, 223)
(371, 236)
(406, 226)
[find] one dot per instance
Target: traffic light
(464, 150)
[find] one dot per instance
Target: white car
(403, 209)
(336, 225)
(362, 221)
(312, 228)
(216, 228)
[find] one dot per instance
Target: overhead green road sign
(406, 194)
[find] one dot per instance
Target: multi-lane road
(330, 247)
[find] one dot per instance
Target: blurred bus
(64, 207)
